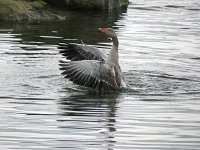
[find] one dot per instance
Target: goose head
(108, 31)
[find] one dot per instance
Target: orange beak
(103, 29)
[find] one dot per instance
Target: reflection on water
(159, 53)
(96, 124)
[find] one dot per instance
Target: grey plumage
(90, 67)
(90, 73)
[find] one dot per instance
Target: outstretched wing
(76, 52)
(90, 73)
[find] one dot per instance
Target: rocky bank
(47, 10)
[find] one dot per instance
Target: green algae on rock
(24, 10)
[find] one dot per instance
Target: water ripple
(159, 53)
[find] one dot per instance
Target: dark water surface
(160, 55)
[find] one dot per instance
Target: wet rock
(46, 10)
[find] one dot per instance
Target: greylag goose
(90, 67)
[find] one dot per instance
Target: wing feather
(77, 52)
(90, 73)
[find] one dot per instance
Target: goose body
(90, 67)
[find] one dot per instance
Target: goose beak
(103, 30)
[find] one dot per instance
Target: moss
(5, 8)
(24, 10)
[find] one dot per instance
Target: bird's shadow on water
(90, 111)
(88, 97)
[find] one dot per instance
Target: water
(159, 54)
